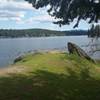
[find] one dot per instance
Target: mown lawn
(52, 76)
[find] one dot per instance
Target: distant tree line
(8, 33)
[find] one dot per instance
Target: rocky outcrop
(74, 49)
(18, 59)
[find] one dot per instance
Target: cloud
(24, 15)
(15, 5)
(41, 18)
(9, 14)
(14, 9)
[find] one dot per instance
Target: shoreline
(55, 50)
(42, 75)
(32, 53)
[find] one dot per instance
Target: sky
(19, 14)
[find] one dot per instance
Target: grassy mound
(51, 76)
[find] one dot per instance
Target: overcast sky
(19, 14)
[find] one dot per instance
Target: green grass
(52, 76)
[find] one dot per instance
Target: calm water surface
(12, 48)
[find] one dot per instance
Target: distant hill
(38, 33)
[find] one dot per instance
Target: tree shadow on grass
(45, 85)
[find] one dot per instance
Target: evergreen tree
(94, 31)
(68, 10)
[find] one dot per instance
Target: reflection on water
(12, 48)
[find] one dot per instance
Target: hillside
(38, 33)
(50, 76)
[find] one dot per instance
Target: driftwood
(74, 49)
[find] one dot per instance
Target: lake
(12, 48)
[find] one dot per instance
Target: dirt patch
(12, 70)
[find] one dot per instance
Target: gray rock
(74, 49)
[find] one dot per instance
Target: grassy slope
(52, 76)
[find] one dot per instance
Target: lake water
(12, 48)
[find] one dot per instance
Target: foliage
(66, 11)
